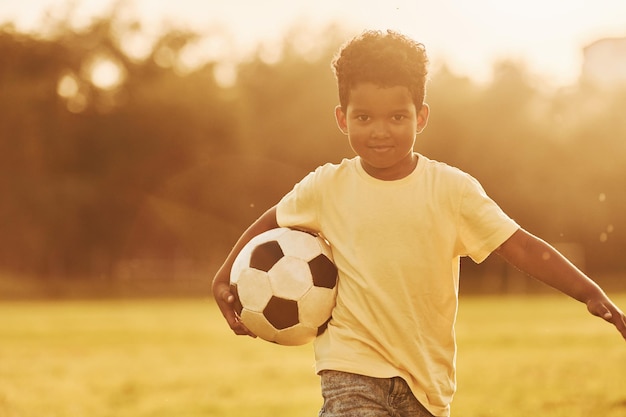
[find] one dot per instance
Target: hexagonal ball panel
(295, 336)
(281, 313)
(299, 244)
(258, 324)
(254, 289)
(290, 278)
(316, 307)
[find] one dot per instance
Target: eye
(362, 117)
(398, 117)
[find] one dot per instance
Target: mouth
(380, 148)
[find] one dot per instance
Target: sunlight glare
(306, 42)
(271, 52)
(190, 58)
(225, 74)
(137, 45)
(106, 74)
(466, 36)
(67, 86)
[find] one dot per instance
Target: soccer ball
(285, 282)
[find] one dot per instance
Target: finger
(617, 318)
(235, 323)
(226, 302)
(233, 319)
(240, 329)
(620, 323)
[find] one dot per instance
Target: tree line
(161, 173)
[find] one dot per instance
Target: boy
(398, 224)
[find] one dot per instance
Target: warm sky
(468, 35)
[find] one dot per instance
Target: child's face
(381, 124)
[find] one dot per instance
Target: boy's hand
(221, 283)
(538, 259)
(226, 302)
(603, 307)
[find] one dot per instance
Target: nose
(380, 129)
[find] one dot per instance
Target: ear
(422, 117)
(342, 123)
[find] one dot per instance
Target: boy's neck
(401, 171)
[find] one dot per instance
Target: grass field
(541, 356)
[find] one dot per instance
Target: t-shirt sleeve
(298, 208)
(483, 224)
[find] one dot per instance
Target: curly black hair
(387, 59)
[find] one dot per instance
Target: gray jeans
(350, 395)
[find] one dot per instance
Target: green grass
(541, 356)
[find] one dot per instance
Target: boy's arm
(538, 259)
(221, 282)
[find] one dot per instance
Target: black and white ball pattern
(286, 284)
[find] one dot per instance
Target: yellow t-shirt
(397, 246)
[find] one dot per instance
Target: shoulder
(332, 170)
(441, 171)
(325, 177)
(345, 164)
(451, 184)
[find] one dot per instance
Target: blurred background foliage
(126, 172)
